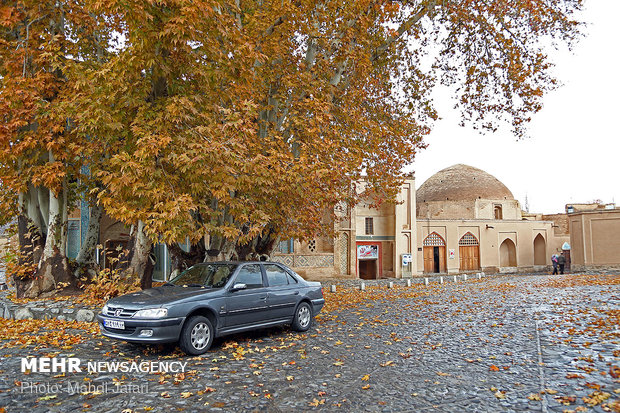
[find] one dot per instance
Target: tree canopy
(245, 119)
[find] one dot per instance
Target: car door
(247, 306)
(283, 292)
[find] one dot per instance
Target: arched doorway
(434, 253)
(508, 254)
(469, 253)
(540, 255)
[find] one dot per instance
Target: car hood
(155, 297)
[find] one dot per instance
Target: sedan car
(211, 300)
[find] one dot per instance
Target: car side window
(250, 275)
(291, 279)
(275, 275)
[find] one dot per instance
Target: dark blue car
(211, 300)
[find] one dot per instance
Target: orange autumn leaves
(45, 333)
(229, 117)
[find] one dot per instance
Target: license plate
(120, 325)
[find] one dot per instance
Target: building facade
(469, 221)
(461, 219)
(594, 235)
(370, 242)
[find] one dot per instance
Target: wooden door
(429, 262)
(368, 269)
(434, 253)
(469, 258)
(442, 259)
(430, 266)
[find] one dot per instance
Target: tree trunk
(138, 262)
(34, 210)
(182, 260)
(43, 202)
(86, 259)
(220, 249)
(53, 270)
(30, 247)
(260, 248)
(146, 281)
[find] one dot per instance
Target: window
(209, 275)
(497, 209)
(291, 279)
(286, 247)
(275, 275)
(468, 240)
(369, 226)
(251, 276)
(192, 276)
(312, 245)
(73, 238)
(185, 246)
(433, 240)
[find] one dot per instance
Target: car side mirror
(239, 286)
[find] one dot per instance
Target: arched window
(434, 240)
(497, 210)
(468, 239)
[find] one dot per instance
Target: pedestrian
(561, 262)
(554, 262)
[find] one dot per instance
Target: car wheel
(303, 317)
(196, 336)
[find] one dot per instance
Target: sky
(573, 152)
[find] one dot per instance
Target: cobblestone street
(505, 343)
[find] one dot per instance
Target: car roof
(238, 262)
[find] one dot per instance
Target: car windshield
(207, 275)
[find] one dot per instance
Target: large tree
(247, 120)
(41, 44)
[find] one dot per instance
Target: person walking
(561, 262)
(554, 262)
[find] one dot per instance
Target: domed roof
(462, 183)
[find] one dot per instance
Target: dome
(462, 183)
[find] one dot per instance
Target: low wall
(319, 260)
(597, 268)
(46, 309)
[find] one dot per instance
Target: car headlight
(104, 310)
(151, 313)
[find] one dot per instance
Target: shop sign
(367, 252)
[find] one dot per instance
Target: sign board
(406, 259)
(367, 252)
(451, 254)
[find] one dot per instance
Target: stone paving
(507, 343)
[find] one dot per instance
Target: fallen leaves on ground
(45, 333)
(500, 394)
(596, 398)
